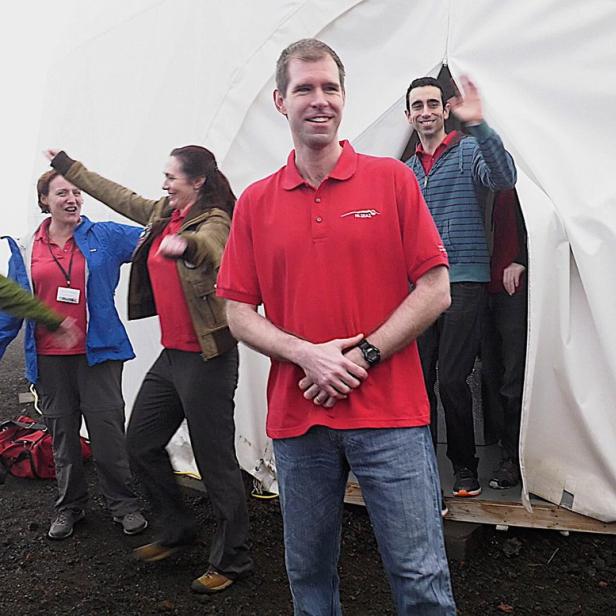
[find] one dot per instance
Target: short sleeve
(237, 277)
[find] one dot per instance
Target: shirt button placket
(318, 226)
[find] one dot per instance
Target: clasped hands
(333, 370)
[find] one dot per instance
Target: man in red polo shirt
(330, 245)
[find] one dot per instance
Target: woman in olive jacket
(173, 274)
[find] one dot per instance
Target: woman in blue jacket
(73, 265)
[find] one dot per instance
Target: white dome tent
(162, 74)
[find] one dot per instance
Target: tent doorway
(493, 506)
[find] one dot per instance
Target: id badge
(68, 295)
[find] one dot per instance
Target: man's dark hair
(421, 82)
(307, 50)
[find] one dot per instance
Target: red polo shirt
(331, 263)
(428, 160)
(176, 327)
(47, 277)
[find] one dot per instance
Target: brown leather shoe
(210, 582)
(153, 552)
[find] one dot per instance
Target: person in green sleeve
(22, 304)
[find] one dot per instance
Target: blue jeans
(396, 470)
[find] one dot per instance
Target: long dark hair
(197, 162)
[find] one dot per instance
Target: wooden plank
(546, 515)
(483, 511)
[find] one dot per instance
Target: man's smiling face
(313, 102)
(426, 113)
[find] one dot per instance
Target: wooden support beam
(502, 513)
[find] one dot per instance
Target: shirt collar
(42, 233)
(343, 169)
(449, 137)
(178, 214)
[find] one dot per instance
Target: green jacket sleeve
(21, 304)
(208, 242)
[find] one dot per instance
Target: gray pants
(70, 389)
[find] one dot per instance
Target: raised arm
(493, 166)
(117, 197)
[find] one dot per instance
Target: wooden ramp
(500, 507)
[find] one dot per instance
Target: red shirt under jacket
(427, 160)
(176, 327)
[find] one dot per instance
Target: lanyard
(67, 275)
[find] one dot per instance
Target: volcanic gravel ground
(518, 572)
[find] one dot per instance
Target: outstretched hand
(172, 246)
(68, 334)
(467, 106)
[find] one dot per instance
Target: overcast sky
(37, 33)
(33, 32)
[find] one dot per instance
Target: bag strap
(35, 425)
(4, 471)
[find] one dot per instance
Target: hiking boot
(153, 552)
(210, 582)
(507, 475)
(466, 483)
(62, 526)
(132, 523)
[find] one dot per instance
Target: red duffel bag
(26, 451)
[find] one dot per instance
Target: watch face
(371, 354)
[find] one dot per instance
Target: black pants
(182, 385)
(452, 342)
(503, 357)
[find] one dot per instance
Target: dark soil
(518, 572)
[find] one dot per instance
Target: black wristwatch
(371, 354)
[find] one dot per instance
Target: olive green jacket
(21, 304)
(206, 234)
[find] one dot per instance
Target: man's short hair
(307, 50)
(422, 82)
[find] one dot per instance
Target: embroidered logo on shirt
(361, 214)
